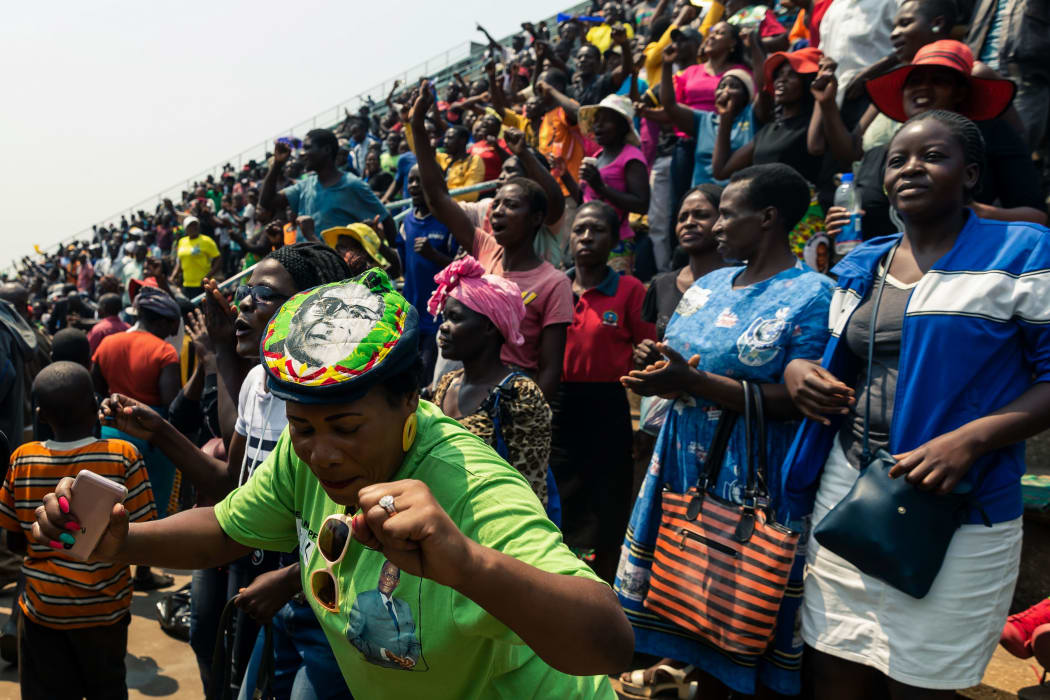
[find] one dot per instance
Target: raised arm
(571, 106)
(679, 115)
(544, 52)
(438, 116)
(515, 140)
(474, 104)
(269, 197)
(626, 67)
(654, 51)
(763, 101)
(390, 97)
(492, 42)
(725, 161)
(442, 206)
(826, 128)
(499, 100)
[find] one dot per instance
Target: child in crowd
(591, 454)
(74, 629)
(427, 247)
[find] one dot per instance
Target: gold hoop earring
(408, 433)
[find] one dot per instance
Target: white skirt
(943, 641)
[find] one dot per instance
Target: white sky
(108, 102)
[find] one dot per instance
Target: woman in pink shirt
(722, 50)
(518, 211)
(618, 174)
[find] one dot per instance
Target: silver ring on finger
(387, 504)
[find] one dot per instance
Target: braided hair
(311, 264)
(966, 133)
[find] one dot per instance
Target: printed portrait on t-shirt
(761, 342)
(381, 625)
(328, 326)
(817, 253)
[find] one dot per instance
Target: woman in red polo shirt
(591, 449)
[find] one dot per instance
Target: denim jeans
(304, 666)
(209, 591)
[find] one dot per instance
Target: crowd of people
(554, 382)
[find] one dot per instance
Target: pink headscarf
(494, 297)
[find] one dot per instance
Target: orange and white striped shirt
(59, 591)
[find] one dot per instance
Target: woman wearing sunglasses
(263, 584)
(487, 600)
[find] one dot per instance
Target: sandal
(152, 581)
(636, 687)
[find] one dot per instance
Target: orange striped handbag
(720, 568)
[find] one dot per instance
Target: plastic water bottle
(847, 196)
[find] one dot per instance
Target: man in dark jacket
(1013, 37)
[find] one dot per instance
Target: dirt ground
(159, 666)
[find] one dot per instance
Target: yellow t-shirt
(519, 121)
(462, 173)
(601, 36)
(654, 57)
(195, 256)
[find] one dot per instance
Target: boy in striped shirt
(73, 631)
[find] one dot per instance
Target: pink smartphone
(93, 498)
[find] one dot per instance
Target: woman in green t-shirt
(427, 559)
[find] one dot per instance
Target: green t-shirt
(389, 162)
(459, 650)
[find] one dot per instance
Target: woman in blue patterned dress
(740, 322)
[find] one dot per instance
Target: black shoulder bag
(885, 527)
(220, 680)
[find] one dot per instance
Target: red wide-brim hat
(988, 97)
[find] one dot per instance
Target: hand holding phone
(76, 516)
(91, 502)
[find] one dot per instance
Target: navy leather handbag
(887, 527)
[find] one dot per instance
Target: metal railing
(464, 58)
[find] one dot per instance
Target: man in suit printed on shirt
(381, 626)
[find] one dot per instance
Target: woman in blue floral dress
(741, 322)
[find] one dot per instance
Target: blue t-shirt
(625, 86)
(749, 333)
(419, 272)
(348, 201)
(706, 132)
